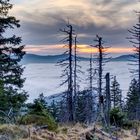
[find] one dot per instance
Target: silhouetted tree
(67, 63)
(77, 79)
(54, 109)
(135, 40)
(75, 83)
(133, 100)
(90, 73)
(75, 69)
(62, 110)
(82, 110)
(116, 94)
(91, 96)
(10, 56)
(101, 60)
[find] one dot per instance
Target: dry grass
(76, 132)
(12, 132)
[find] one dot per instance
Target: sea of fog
(45, 78)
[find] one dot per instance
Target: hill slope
(32, 58)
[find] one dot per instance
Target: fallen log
(95, 131)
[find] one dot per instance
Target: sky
(41, 21)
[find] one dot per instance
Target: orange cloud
(87, 49)
(84, 49)
(120, 50)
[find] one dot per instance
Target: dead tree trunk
(100, 56)
(91, 74)
(75, 69)
(100, 66)
(70, 88)
(101, 60)
(108, 100)
(67, 63)
(75, 78)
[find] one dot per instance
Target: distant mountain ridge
(123, 58)
(33, 58)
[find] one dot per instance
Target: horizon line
(81, 49)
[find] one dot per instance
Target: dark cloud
(43, 27)
(38, 33)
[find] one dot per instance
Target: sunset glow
(87, 49)
(82, 49)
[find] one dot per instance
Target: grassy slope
(63, 133)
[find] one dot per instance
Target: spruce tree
(82, 110)
(116, 94)
(132, 100)
(90, 98)
(54, 109)
(10, 56)
(135, 40)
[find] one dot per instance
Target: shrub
(38, 115)
(129, 124)
(33, 119)
(117, 117)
